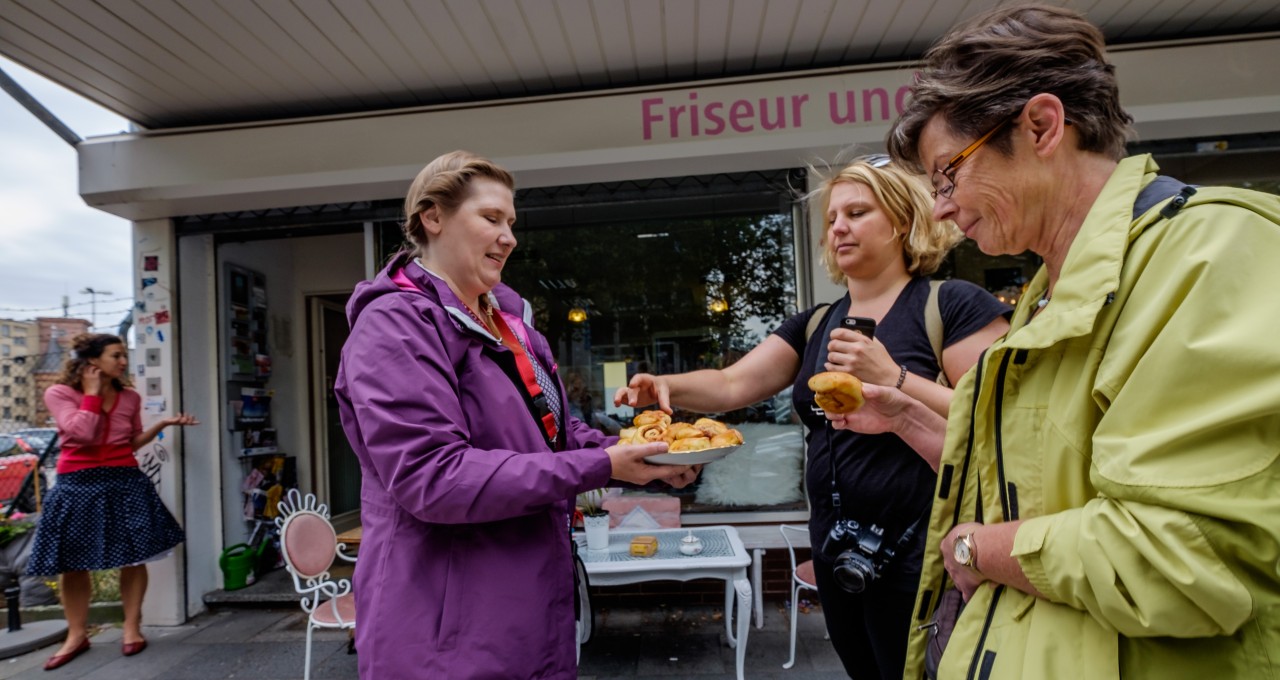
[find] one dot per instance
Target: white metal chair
(801, 578)
(309, 545)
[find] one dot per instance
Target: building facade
(18, 400)
(659, 230)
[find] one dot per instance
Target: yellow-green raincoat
(1134, 426)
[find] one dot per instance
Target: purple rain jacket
(465, 569)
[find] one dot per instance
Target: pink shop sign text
(669, 118)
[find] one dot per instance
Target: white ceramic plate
(692, 457)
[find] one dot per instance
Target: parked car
(39, 438)
(10, 445)
(17, 460)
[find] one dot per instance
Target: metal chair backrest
(307, 539)
(791, 550)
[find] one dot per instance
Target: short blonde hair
(444, 183)
(905, 201)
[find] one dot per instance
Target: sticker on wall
(153, 356)
(140, 369)
(150, 263)
(149, 281)
(160, 336)
(154, 406)
(153, 387)
(162, 316)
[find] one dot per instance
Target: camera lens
(852, 572)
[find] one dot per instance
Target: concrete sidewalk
(258, 644)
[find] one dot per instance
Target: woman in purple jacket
(470, 458)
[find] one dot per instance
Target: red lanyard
(531, 385)
(525, 368)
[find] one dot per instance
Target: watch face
(962, 553)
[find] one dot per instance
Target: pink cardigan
(91, 437)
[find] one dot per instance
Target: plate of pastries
(701, 441)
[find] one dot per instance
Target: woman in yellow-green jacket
(1109, 491)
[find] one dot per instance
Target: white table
(723, 557)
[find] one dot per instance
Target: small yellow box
(644, 546)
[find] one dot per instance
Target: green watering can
(238, 563)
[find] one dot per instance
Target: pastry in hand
(648, 417)
(690, 444)
(836, 392)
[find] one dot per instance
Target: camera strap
(907, 535)
(835, 313)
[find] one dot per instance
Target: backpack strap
(814, 320)
(933, 328)
(1161, 188)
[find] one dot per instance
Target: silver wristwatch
(966, 551)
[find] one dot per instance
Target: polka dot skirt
(101, 518)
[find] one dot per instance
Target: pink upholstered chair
(309, 545)
(801, 578)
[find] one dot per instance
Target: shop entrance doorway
(336, 462)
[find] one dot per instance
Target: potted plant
(595, 519)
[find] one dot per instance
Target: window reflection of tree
(653, 279)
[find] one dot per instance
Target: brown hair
(444, 183)
(84, 347)
(985, 70)
(902, 196)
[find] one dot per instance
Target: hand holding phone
(860, 324)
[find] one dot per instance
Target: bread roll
(710, 427)
(652, 432)
(836, 392)
(681, 431)
(726, 438)
(690, 444)
(649, 417)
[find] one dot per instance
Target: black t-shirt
(881, 480)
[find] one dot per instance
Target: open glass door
(336, 462)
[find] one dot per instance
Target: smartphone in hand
(860, 324)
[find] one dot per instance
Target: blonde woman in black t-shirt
(882, 243)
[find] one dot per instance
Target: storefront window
(669, 284)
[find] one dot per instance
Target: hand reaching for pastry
(645, 389)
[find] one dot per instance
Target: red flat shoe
(131, 648)
(60, 660)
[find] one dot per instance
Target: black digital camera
(859, 554)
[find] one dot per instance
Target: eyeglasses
(949, 172)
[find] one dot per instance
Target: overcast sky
(51, 243)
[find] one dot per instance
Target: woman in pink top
(104, 513)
